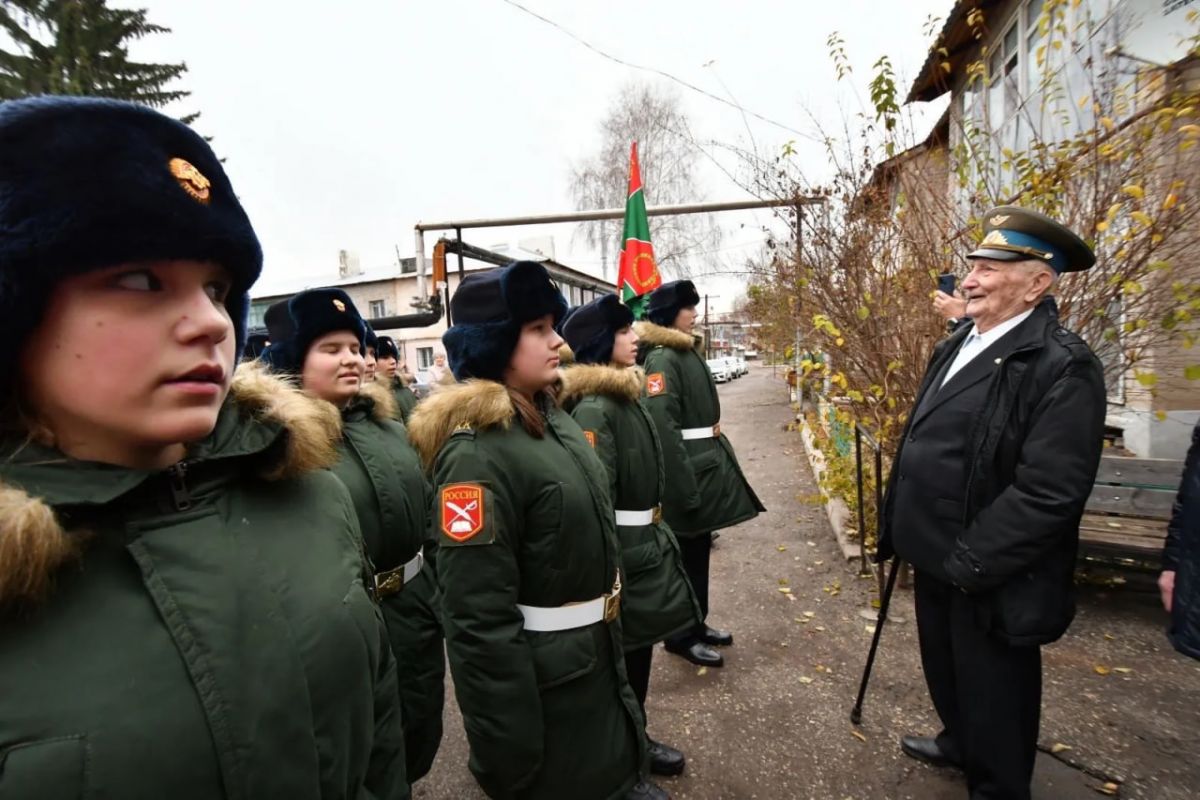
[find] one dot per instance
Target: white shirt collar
(989, 338)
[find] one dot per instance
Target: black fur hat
(371, 340)
(667, 300)
(592, 327)
(489, 309)
(386, 347)
(314, 313)
(88, 183)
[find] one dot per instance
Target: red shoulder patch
(462, 510)
(655, 383)
(591, 437)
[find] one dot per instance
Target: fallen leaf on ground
(702, 671)
(871, 629)
(1109, 636)
(818, 563)
(811, 543)
(1110, 788)
(1101, 669)
(1122, 670)
(784, 590)
(821, 628)
(781, 548)
(810, 614)
(1059, 747)
(805, 680)
(858, 735)
(875, 603)
(783, 581)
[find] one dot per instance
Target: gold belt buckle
(612, 601)
(657, 517)
(390, 582)
(717, 430)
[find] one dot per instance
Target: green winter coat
(213, 639)
(706, 489)
(657, 598)
(406, 401)
(390, 494)
(547, 714)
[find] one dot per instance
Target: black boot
(928, 749)
(664, 759)
(715, 637)
(645, 790)
(697, 652)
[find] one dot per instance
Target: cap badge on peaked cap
(191, 180)
(995, 237)
(998, 220)
(339, 305)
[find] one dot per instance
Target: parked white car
(742, 366)
(719, 369)
(735, 369)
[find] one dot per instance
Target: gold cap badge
(995, 237)
(339, 305)
(191, 179)
(998, 220)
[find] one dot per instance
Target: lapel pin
(997, 361)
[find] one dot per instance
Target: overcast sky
(343, 124)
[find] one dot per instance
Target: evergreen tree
(80, 47)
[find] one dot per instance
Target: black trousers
(695, 552)
(987, 693)
(637, 666)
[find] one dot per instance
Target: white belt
(633, 519)
(576, 615)
(393, 580)
(702, 433)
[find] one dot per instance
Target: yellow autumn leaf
(702, 671)
(1100, 669)
(805, 680)
(810, 614)
(1170, 201)
(1110, 788)
(1108, 124)
(1142, 217)
(1059, 747)
(1133, 190)
(784, 590)
(858, 735)
(1102, 226)
(1122, 670)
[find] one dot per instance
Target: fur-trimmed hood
(477, 404)
(583, 380)
(33, 544)
(383, 401)
(651, 335)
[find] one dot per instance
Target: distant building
(392, 290)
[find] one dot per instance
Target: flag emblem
(655, 384)
(638, 273)
(591, 437)
(462, 510)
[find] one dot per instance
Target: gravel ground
(774, 722)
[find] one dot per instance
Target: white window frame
(377, 308)
(424, 358)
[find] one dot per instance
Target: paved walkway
(774, 723)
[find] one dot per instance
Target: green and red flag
(638, 272)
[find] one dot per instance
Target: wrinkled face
(369, 363)
(534, 362)
(625, 344)
(132, 362)
(685, 320)
(1000, 290)
(385, 367)
(334, 368)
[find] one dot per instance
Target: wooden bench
(1128, 510)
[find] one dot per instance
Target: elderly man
(985, 495)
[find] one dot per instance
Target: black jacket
(1030, 461)
(1182, 554)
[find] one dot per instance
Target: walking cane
(856, 712)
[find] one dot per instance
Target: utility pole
(707, 331)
